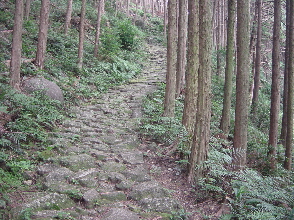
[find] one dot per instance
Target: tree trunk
(81, 35)
(43, 33)
(170, 91)
(190, 103)
(285, 92)
(200, 144)
(257, 60)
(68, 16)
(289, 137)
(16, 45)
(182, 41)
(275, 90)
(27, 9)
(242, 85)
(97, 35)
(225, 120)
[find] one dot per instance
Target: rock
(78, 162)
(48, 88)
(90, 198)
(165, 205)
(133, 157)
(120, 214)
(148, 190)
(2, 204)
(139, 174)
(114, 196)
(124, 185)
(113, 167)
(86, 178)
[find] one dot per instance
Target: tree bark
(228, 87)
(182, 41)
(200, 144)
(68, 16)
(285, 92)
(43, 33)
(257, 60)
(170, 90)
(289, 137)
(242, 85)
(27, 9)
(97, 35)
(81, 35)
(275, 90)
(190, 103)
(16, 45)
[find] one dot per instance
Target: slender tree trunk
(43, 33)
(289, 137)
(27, 9)
(285, 92)
(275, 90)
(16, 45)
(170, 91)
(200, 144)
(242, 85)
(165, 17)
(81, 35)
(228, 87)
(190, 103)
(68, 16)
(97, 35)
(257, 60)
(182, 41)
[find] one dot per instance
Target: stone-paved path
(98, 171)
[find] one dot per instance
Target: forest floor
(103, 169)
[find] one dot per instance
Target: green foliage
(34, 116)
(162, 129)
(258, 197)
(127, 33)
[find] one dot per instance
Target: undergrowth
(254, 193)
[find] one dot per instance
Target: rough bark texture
(68, 16)
(81, 35)
(289, 138)
(182, 41)
(275, 90)
(225, 120)
(285, 92)
(170, 91)
(16, 45)
(257, 60)
(190, 103)
(97, 35)
(242, 85)
(43, 33)
(27, 9)
(200, 144)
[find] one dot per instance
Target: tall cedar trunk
(275, 90)
(16, 45)
(128, 8)
(200, 144)
(81, 35)
(190, 103)
(165, 17)
(182, 41)
(257, 60)
(98, 24)
(228, 87)
(170, 90)
(68, 16)
(242, 85)
(285, 91)
(27, 10)
(43, 33)
(289, 137)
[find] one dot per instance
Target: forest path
(99, 170)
